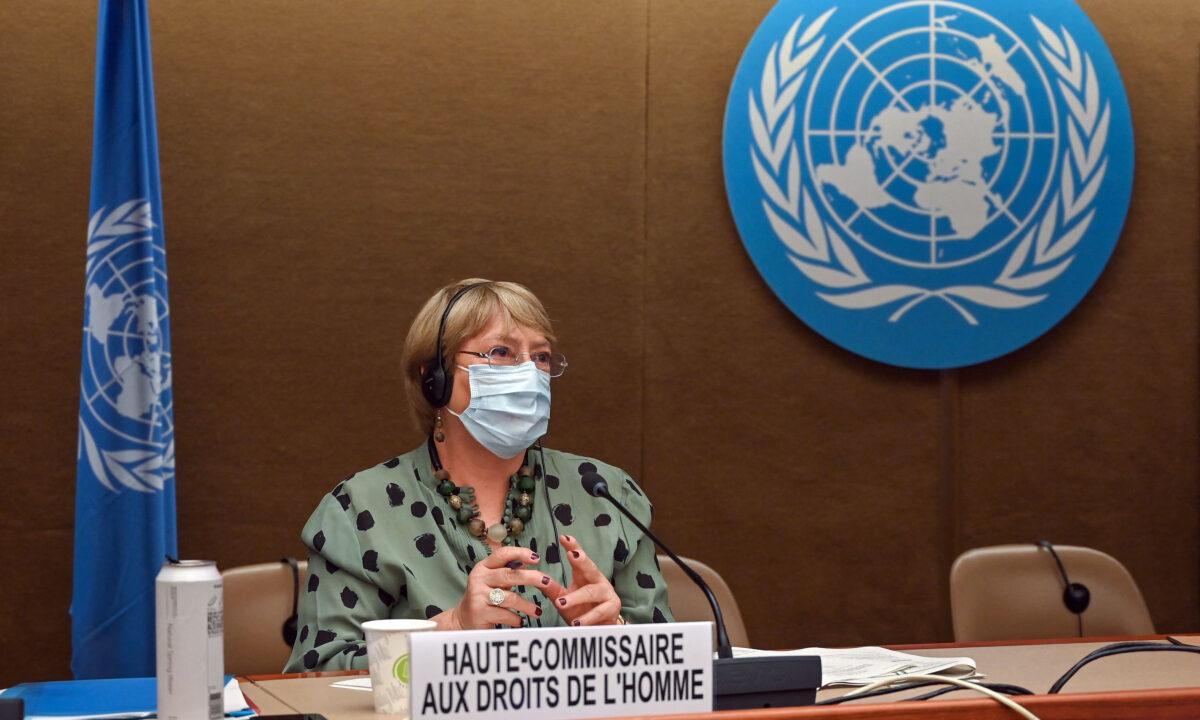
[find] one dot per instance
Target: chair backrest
(688, 603)
(258, 600)
(1015, 592)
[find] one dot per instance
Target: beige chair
(1015, 592)
(689, 604)
(258, 600)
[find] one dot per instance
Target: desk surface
(1141, 685)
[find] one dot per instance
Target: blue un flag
(125, 469)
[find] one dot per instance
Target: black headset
(1076, 596)
(436, 386)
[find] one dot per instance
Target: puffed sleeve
(340, 594)
(636, 576)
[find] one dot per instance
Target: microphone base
(771, 681)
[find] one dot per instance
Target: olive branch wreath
(818, 250)
(136, 469)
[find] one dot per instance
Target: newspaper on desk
(865, 665)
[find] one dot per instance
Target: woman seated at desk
(479, 526)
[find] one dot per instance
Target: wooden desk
(1127, 687)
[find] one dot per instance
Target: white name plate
(562, 672)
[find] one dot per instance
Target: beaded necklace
(518, 505)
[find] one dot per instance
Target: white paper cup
(387, 656)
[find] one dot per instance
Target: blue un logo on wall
(929, 184)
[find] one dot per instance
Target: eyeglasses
(553, 364)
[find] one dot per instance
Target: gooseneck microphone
(595, 485)
(738, 683)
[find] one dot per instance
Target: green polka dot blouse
(385, 544)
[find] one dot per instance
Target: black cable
(1068, 586)
(562, 564)
(1003, 688)
(876, 693)
(1046, 544)
(1130, 646)
(434, 458)
(1118, 649)
(295, 567)
(289, 626)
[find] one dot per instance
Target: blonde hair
(515, 304)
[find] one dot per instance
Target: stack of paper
(865, 665)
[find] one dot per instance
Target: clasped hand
(590, 599)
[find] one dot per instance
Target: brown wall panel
(326, 166)
(783, 456)
(334, 167)
(45, 145)
(1089, 436)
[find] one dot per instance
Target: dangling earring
(437, 424)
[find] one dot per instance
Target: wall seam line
(645, 234)
(949, 490)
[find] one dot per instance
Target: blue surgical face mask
(509, 408)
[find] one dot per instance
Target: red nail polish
(562, 602)
(575, 554)
(534, 557)
(537, 612)
(545, 579)
(575, 623)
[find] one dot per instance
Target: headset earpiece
(436, 385)
(1076, 596)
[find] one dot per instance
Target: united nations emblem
(930, 184)
(126, 425)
